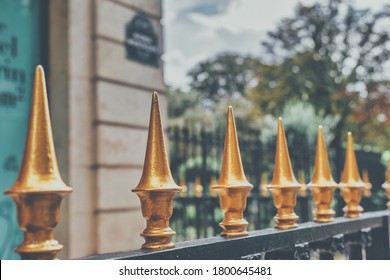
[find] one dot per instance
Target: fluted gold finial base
(38, 215)
(157, 208)
(39, 245)
(323, 197)
(352, 197)
(158, 237)
(285, 199)
(233, 203)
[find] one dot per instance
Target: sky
(195, 30)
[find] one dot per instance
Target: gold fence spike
(302, 180)
(213, 182)
(351, 185)
(156, 188)
(322, 184)
(39, 189)
(284, 186)
(232, 187)
(198, 188)
(183, 186)
(263, 186)
(386, 185)
(367, 184)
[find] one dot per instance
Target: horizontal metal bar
(256, 242)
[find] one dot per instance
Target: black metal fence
(197, 156)
(199, 217)
(366, 237)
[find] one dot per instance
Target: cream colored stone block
(126, 105)
(121, 146)
(148, 6)
(80, 43)
(111, 20)
(82, 235)
(114, 188)
(111, 63)
(120, 231)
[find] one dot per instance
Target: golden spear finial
(302, 180)
(322, 184)
(232, 187)
(213, 181)
(184, 188)
(367, 184)
(263, 185)
(198, 188)
(156, 188)
(386, 185)
(39, 189)
(351, 185)
(284, 186)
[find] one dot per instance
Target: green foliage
(224, 76)
(328, 55)
(300, 118)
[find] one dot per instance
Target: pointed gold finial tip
(322, 176)
(320, 133)
(283, 173)
(40, 74)
(232, 172)
(350, 175)
(39, 170)
(156, 172)
(155, 96)
(39, 68)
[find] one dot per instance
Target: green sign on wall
(19, 54)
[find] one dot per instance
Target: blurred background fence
(195, 158)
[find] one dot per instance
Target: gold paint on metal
(156, 188)
(351, 184)
(386, 185)
(39, 189)
(263, 186)
(232, 187)
(284, 186)
(183, 186)
(198, 188)
(368, 185)
(322, 185)
(302, 180)
(213, 192)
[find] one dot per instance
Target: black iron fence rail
(377, 224)
(199, 217)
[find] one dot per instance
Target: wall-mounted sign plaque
(142, 42)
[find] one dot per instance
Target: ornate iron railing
(366, 237)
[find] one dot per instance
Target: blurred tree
(224, 76)
(331, 56)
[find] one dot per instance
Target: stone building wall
(100, 104)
